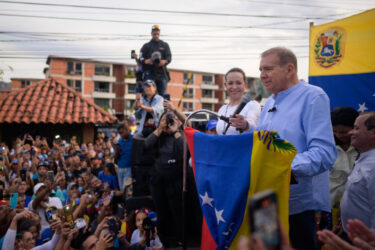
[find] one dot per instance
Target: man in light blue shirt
(358, 201)
(300, 113)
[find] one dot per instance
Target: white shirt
(251, 112)
(339, 174)
(52, 202)
(358, 201)
(136, 237)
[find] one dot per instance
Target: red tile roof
(49, 101)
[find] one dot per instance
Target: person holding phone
(248, 118)
(155, 56)
(43, 201)
(166, 177)
(168, 105)
(27, 238)
(149, 109)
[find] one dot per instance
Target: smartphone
(51, 214)
(13, 200)
(23, 174)
(167, 97)
(132, 54)
(1, 194)
(264, 218)
(50, 176)
(80, 223)
(113, 230)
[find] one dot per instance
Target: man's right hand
(148, 61)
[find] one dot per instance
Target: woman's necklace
(226, 109)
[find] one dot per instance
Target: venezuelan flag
(228, 170)
(342, 60)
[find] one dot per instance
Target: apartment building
(111, 85)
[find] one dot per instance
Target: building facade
(112, 85)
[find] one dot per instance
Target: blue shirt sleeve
(320, 153)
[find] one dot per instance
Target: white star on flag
(206, 200)
(362, 107)
(219, 215)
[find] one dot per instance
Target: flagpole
(184, 174)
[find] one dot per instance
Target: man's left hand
(162, 63)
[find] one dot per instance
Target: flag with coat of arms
(342, 60)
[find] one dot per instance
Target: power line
(142, 22)
(146, 36)
(159, 11)
(305, 5)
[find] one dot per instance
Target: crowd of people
(58, 194)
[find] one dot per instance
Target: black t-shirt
(151, 47)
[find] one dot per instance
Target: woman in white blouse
(248, 118)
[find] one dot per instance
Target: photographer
(154, 56)
(166, 177)
(149, 109)
(141, 236)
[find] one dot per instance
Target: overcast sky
(204, 35)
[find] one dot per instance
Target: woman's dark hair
(25, 225)
(236, 70)
(343, 116)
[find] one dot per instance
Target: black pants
(302, 230)
(167, 196)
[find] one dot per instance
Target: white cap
(37, 186)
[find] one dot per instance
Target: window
(25, 84)
(186, 78)
(189, 93)
(131, 88)
(102, 70)
(78, 85)
(206, 79)
(102, 87)
(187, 106)
(74, 68)
(207, 93)
(74, 84)
(207, 106)
(102, 102)
(129, 104)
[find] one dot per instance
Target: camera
(149, 228)
(156, 57)
(169, 118)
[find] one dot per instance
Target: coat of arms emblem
(329, 47)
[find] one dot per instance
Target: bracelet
(175, 111)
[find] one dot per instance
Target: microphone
(245, 100)
(273, 109)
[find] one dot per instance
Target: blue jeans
(122, 175)
(161, 81)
